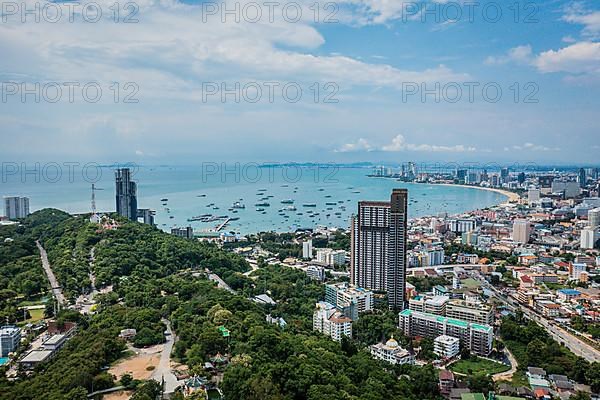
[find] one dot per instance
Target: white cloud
(519, 54)
(531, 147)
(399, 144)
(360, 145)
(589, 19)
(583, 57)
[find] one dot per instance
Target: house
(446, 382)
(536, 373)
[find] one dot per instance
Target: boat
(331, 203)
(321, 189)
(260, 209)
(287, 201)
(163, 200)
(238, 205)
(263, 204)
(289, 208)
(309, 205)
(201, 195)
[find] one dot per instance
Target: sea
(203, 196)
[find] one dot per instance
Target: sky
(154, 82)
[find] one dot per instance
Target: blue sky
(374, 61)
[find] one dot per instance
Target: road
(577, 346)
(507, 376)
(163, 370)
(220, 282)
(56, 289)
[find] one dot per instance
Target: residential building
(379, 245)
(187, 232)
(331, 322)
(521, 231)
(478, 313)
(316, 272)
(589, 237)
(427, 304)
(307, 252)
(548, 308)
(331, 257)
(576, 269)
(350, 300)
(476, 337)
(594, 218)
(391, 352)
(462, 225)
(533, 195)
(16, 207)
(126, 194)
(10, 338)
(446, 382)
(446, 346)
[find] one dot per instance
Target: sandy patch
(120, 395)
(138, 364)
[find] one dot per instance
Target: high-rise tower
(126, 194)
(379, 235)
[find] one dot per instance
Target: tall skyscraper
(594, 218)
(521, 231)
(16, 207)
(582, 178)
(126, 194)
(379, 234)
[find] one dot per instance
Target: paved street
(56, 289)
(163, 371)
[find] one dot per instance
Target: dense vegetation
(21, 273)
(156, 276)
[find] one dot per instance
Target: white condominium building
(350, 300)
(433, 305)
(477, 313)
(446, 346)
(331, 322)
(476, 337)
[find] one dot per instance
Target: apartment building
(476, 337)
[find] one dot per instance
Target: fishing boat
(238, 205)
(331, 203)
(260, 209)
(309, 205)
(287, 201)
(263, 204)
(164, 200)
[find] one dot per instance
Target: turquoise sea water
(220, 188)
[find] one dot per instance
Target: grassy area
(470, 283)
(36, 315)
(476, 364)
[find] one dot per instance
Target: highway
(56, 289)
(573, 343)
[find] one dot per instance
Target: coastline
(511, 197)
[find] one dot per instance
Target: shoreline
(511, 197)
